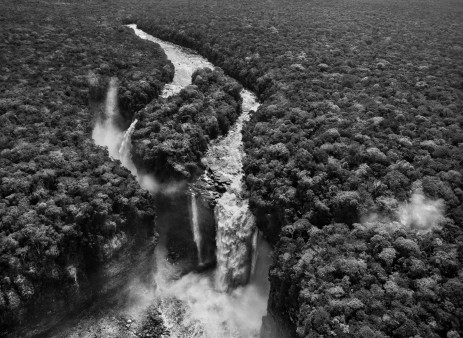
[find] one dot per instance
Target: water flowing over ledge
(195, 225)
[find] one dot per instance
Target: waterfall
(73, 273)
(235, 224)
(195, 225)
(106, 133)
(255, 252)
(111, 98)
(124, 150)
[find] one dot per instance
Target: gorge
(221, 296)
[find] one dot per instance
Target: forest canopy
(172, 135)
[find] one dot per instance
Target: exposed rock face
(94, 280)
(79, 241)
(274, 326)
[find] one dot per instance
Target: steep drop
(195, 225)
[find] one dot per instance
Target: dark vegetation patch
(65, 207)
(362, 102)
(172, 135)
(375, 280)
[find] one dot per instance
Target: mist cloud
(421, 214)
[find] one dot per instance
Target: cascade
(255, 252)
(73, 273)
(106, 133)
(235, 222)
(195, 225)
(235, 225)
(111, 98)
(126, 145)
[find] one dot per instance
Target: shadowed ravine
(195, 297)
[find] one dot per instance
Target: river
(199, 296)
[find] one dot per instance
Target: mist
(421, 214)
(192, 306)
(106, 133)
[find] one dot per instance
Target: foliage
(372, 281)
(65, 207)
(172, 135)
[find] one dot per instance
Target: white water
(191, 306)
(184, 60)
(73, 273)
(107, 133)
(255, 251)
(195, 305)
(126, 145)
(195, 226)
(235, 222)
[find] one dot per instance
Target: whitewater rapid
(184, 60)
(236, 243)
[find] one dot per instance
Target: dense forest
(355, 157)
(66, 209)
(354, 160)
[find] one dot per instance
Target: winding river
(226, 299)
